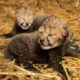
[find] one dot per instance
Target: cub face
(24, 18)
(52, 32)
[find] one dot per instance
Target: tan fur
(24, 48)
(26, 22)
(24, 18)
(52, 32)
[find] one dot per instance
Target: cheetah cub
(24, 48)
(26, 22)
(53, 33)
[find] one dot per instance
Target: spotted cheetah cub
(53, 33)
(26, 22)
(24, 48)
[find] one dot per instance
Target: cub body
(53, 34)
(24, 48)
(26, 22)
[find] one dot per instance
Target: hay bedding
(66, 9)
(10, 71)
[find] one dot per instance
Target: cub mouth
(25, 26)
(47, 45)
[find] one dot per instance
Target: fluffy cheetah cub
(53, 33)
(24, 18)
(26, 22)
(24, 48)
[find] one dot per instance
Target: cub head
(53, 32)
(24, 18)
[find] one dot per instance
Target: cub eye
(40, 32)
(59, 40)
(50, 35)
(54, 27)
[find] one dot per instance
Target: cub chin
(25, 22)
(53, 33)
(24, 48)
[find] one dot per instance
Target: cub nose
(41, 40)
(27, 24)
